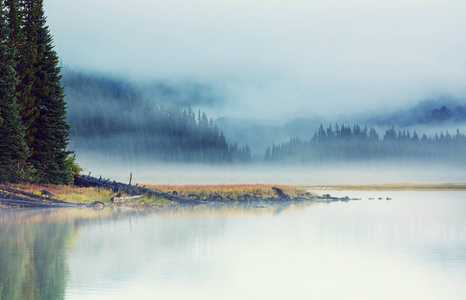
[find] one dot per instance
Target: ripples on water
(413, 247)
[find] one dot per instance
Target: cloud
(274, 57)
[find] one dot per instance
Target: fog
(395, 171)
(155, 72)
(277, 58)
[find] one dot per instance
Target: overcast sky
(274, 57)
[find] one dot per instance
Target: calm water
(412, 247)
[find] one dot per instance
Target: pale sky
(275, 57)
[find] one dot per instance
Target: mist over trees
(427, 112)
(352, 144)
(111, 118)
(114, 118)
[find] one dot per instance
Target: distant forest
(112, 118)
(426, 112)
(345, 143)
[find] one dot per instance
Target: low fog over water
(332, 173)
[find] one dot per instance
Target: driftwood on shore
(123, 199)
(19, 198)
(86, 180)
(32, 203)
(12, 192)
(14, 197)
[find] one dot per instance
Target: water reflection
(33, 257)
(34, 247)
(411, 247)
(163, 250)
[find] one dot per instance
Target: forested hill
(427, 112)
(112, 117)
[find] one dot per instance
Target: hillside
(427, 112)
(112, 117)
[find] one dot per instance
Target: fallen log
(86, 180)
(33, 196)
(32, 203)
(123, 199)
(19, 198)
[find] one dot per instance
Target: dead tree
(81, 180)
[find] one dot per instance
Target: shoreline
(32, 195)
(226, 194)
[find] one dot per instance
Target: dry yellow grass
(75, 194)
(84, 195)
(233, 191)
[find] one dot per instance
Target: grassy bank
(85, 195)
(216, 193)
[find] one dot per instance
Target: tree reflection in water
(33, 246)
(32, 260)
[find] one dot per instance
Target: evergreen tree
(14, 21)
(267, 155)
(24, 39)
(390, 134)
(13, 150)
(51, 128)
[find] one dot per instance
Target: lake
(411, 247)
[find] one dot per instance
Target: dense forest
(346, 143)
(33, 127)
(113, 118)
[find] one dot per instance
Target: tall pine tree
(13, 149)
(24, 39)
(52, 131)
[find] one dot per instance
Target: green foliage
(13, 150)
(34, 133)
(72, 165)
(23, 38)
(52, 131)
